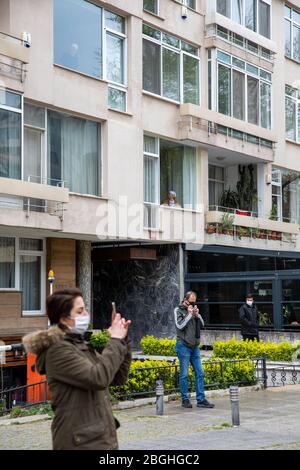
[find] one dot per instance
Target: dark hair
(60, 303)
(249, 296)
(188, 294)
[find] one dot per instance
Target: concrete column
(84, 271)
(264, 189)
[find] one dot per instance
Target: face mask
(82, 322)
(250, 303)
(192, 304)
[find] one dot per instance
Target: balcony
(227, 226)
(213, 129)
(31, 204)
(13, 57)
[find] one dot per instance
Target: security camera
(26, 38)
(184, 12)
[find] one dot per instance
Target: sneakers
(186, 404)
(205, 404)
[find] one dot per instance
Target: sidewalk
(270, 419)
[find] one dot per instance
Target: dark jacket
(187, 326)
(249, 319)
(78, 379)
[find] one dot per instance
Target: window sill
(153, 95)
(154, 230)
(155, 15)
(33, 314)
(292, 141)
(292, 59)
(89, 196)
(181, 209)
(81, 73)
(126, 113)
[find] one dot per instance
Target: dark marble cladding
(144, 291)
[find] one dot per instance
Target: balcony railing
(13, 57)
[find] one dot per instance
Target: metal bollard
(159, 391)
(234, 399)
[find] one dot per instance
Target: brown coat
(78, 379)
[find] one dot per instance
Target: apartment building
(106, 106)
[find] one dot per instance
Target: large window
(91, 40)
(292, 33)
(10, 134)
(73, 152)
(292, 114)
(253, 14)
(167, 166)
(286, 194)
(170, 67)
(22, 267)
(244, 91)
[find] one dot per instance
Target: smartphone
(113, 311)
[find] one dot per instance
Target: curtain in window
(291, 196)
(151, 179)
(290, 119)
(171, 74)
(10, 144)
(189, 178)
(190, 80)
(288, 49)
(237, 11)
(296, 43)
(264, 19)
(253, 100)
(74, 152)
(30, 282)
(238, 94)
(224, 88)
(151, 67)
(7, 263)
(32, 154)
(265, 105)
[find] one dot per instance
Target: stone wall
(144, 291)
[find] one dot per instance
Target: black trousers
(250, 337)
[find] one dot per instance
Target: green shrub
(44, 408)
(141, 380)
(99, 339)
(234, 349)
(296, 350)
(158, 346)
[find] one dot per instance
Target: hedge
(158, 346)
(142, 381)
(234, 349)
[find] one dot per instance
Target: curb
(124, 405)
(23, 419)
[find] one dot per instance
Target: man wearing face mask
(248, 314)
(77, 375)
(188, 322)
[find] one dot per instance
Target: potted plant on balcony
(273, 235)
(243, 232)
(227, 223)
(229, 199)
(211, 228)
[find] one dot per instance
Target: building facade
(106, 106)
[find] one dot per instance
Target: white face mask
(82, 322)
(250, 303)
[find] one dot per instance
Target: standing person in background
(78, 376)
(248, 314)
(188, 322)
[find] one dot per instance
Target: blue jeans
(187, 355)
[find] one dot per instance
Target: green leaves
(235, 349)
(158, 346)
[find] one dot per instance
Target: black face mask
(192, 303)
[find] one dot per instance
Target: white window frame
(292, 24)
(213, 180)
(257, 24)
(231, 66)
(277, 182)
(105, 30)
(43, 131)
(154, 206)
(17, 287)
(296, 101)
(181, 53)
